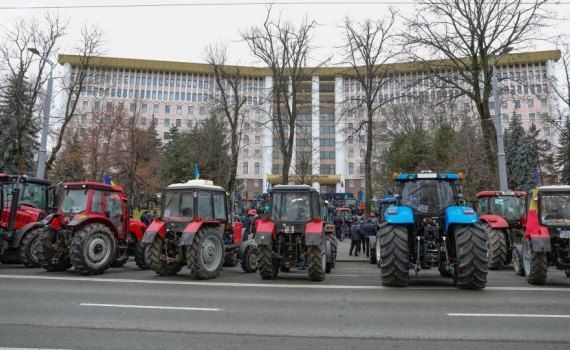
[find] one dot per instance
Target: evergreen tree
(19, 127)
(178, 161)
(522, 162)
(542, 151)
(563, 153)
(445, 149)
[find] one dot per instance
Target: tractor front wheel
(50, 256)
(535, 264)
(205, 256)
(121, 258)
(93, 249)
(249, 259)
(392, 247)
(28, 250)
(267, 266)
(163, 258)
(518, 262)
(317, 263)
(471, 256)
(496, 248)
(142, 255)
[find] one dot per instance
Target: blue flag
(107, 180)
(196, 172)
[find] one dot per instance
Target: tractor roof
(388, 200)
(192, 184)
(427, 175)
(500, 193)
(279, 188)
(92, 185)
(558, 188)
(25, 178)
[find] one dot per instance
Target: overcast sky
(181, 33)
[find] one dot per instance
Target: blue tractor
(430, 226)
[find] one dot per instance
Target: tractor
(383, 205)
(545, 240)
(501, 214)
(195, 229)
(23, 201)
(295, 235)
(430, 226)
(91, 230)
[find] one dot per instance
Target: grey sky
(181, 33)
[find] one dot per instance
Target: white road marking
(510, 315)
(307, 285)
(1, 348)
(152, 307)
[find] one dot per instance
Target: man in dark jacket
(368, 229)
(355, 236)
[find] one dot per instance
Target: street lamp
(503, 184)
(47, 109)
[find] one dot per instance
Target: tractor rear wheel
(50, 256)
(317, 263)
(28, 250)
(142, 255)
(518, 262)
(471, 257)
(93, 249)
(162, 258)
(267, 266)
(392, 247)
(249, 259)
(535, 264)
(121, 258)
(205, 256)
(496, 247)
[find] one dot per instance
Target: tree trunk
(368, 166)
(234, 161)
(489, 138)
(286, 166)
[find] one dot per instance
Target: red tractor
(501, 214)
(91, 230)
(295, 236)
(23, 201)
(195, 229)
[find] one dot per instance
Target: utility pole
(45, 126)
(502, 163)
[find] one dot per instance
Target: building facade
(329, 148)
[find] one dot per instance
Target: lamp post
(45, 126)
(502, 163)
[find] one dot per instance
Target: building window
(202, 111)
(167, 109)
(133, 107)
(350, 139)
(530, 103)
(85, 106)
(155, 108)
(189, 124)
(190, 110)
(255, 183)
(245, 152)
(144, 107)
(546, 131)
(351, 168)
(257, 167)
(350, 152)
(257, 153)
(143, 120)
(166, 121)
(179, 110)
(491, 105)
(531, 117)
(505, 104)
(362, 152)
(505, 118)
(362, 167)
(257, 140)
(543, 103)
(244, 167)
(517, 103)
(178, 123)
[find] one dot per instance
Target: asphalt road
(131, 309)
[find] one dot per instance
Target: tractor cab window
(555, 209)
(205, 205)
(178, 204)
(509, 207)
(97, 202)
(292, 207)
(220, 206)
(427, 196)
(114, 205)
(34, 194)
(74, 201)
(483, 206)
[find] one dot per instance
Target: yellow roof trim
(203, 68)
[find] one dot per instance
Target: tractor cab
(293, 206)
(553, 204)
(509, 205)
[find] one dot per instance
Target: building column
(267, 138)
(315, 126)
(340, 127)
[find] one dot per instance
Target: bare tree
(368, 48)
(90, 47)
(284, 49)
(228, 100)
(469, 35)
(561, 89)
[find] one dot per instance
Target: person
(247, 223)
(368, 229)
(355, 236)
(146, 218)
(338, 222)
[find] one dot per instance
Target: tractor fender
(77, 224)
(266, 230)
(156, 227)
(137, 227)
(399, 214)
(244, 245)
(191, 229)
(459, 214)
(15, 241)
(538, 244)
(495, 221)
(314, 231)
(533, 228)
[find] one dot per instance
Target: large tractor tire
(394, 255)
(93, 249)
(518, 262)
(267, 266)
(317, 263)
(142, 255)
(121, 258)
(10, 257)
(496, 248)
(28, 249)
(48, 255)
(205, 256)
(471, 256)
(249, 261)
(535, 264)
(231, 259)
(162, 258)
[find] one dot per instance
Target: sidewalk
(342, 253)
